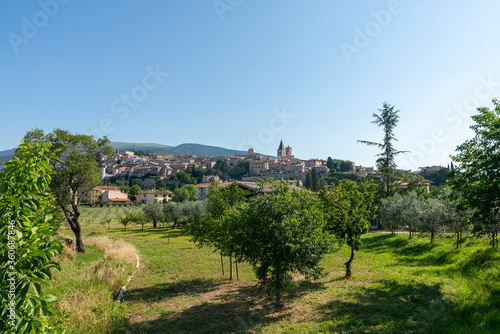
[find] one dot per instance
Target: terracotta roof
(155, 191)
(109, 187)
(118, 200)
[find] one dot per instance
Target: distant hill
(190, 148)
(205, 150)
(6, 156)
(7, 152)
(138, 146)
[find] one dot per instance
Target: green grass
(87, 300)
(398, 286)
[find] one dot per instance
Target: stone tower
(281, 150)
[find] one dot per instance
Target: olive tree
(390, 209)
(154, 212)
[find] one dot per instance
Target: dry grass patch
(114, 249)
(92, 310)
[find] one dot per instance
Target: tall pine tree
(388, 119)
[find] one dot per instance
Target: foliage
(436, 176)
(388, 119)
(335, 177)
(346, 210)
(308, 182)
(154, 212)
(212, 228)
(26, 249)
(132, 191)
(280, 233)
(315, 185)
(390, 209)
(76, 171)
(185, 193)
(432, 218)
(476, 174)
(176, 212)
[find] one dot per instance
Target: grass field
(398, 286)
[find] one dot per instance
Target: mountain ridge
(188, 148)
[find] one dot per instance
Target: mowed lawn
(398, 286)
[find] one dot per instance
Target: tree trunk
(222, 264)
(410, 233)
(237, 276)
(74, 224)
(348, 264)
(230, 267)
(79, 242)
(432, 237)
(458, 239)
(278, 298)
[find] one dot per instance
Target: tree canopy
(476, 173)
(347, 210)
(76, 166)
(27, 245)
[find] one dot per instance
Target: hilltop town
(125, 164)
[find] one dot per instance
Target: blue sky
(247, 73)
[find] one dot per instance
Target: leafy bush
(26, 249)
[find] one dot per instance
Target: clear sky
(247, 73)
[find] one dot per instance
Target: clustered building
(125, 164)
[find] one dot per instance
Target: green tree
(476, 174)
(314, 179)
(279, 234)
(329, 163)
(154, 212)
(185, 193)
(432, 218)
(173, 211)
(390, 209)
(76, 171)
(27, 248)
(412, 210)
(388, 119)
(437, 177)
(346, 166)
(212, 228)
(308, 184)
(347, 210)
(132, 191)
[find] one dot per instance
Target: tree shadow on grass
(387, 307)
(163, 291)
(410, 253)
(230, 309)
